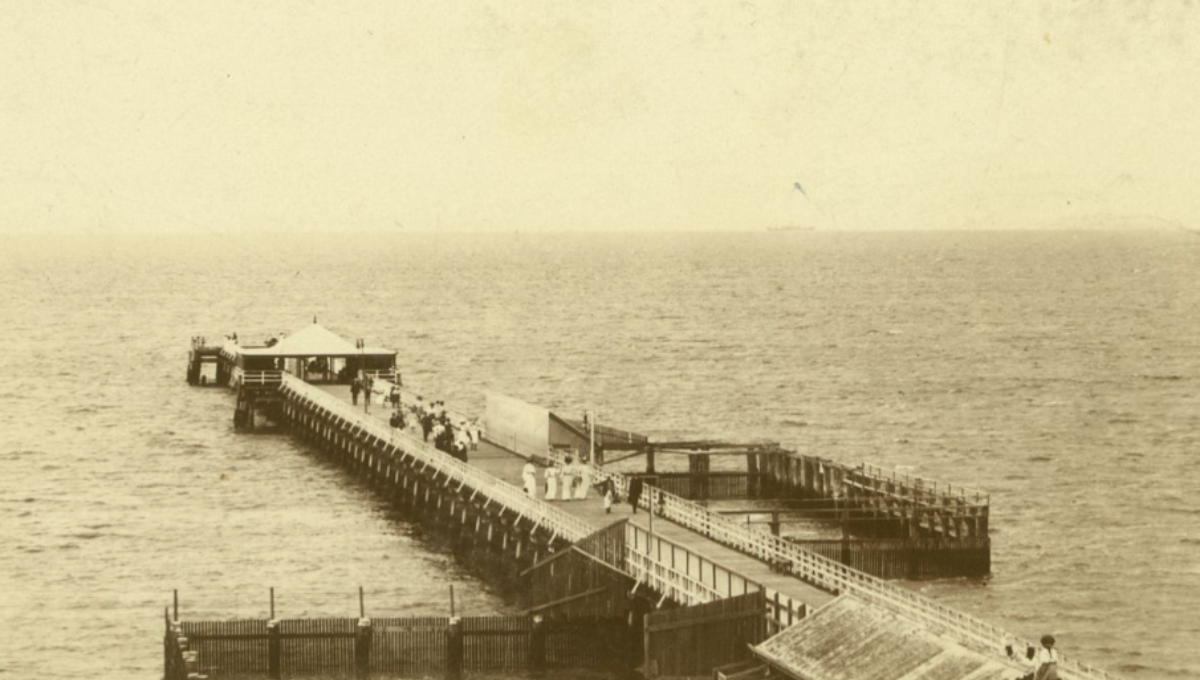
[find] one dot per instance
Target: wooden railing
(559, 523)
(270, 378)
(711, 486)
(940, 490)
(822, 572)
(387, 375)
(689, 578)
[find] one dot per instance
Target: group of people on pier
(456, 439)
(1042, 662)
(570, 481)
(435, 421)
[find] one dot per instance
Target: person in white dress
(551, 482)
(583, 481)
(609, 495)
(529, 478)
(567, 474)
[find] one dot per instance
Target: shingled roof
(852, 639)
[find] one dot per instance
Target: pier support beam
(362, 650)
(274, 651)
(454, 649)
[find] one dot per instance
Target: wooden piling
(454, 649)
(362, 648)
(274, 650)
(537, 646)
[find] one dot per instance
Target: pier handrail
(265, 378)
(930, 485)
(646, 565)
(836, 577)
(542, 514)
(381, 375)
(944, 504)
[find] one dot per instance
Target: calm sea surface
(1059, 371)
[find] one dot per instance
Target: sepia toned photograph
(769, 340)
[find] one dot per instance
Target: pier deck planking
(507, 466)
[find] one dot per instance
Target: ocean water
(1058, 371)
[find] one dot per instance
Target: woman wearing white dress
(551, 482)
(568, 479)
(583, 475)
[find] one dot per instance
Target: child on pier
(474, 432)
(606, 490)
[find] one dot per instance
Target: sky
(196, 117)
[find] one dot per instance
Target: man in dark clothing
(635, 492)
(426, 425)
(355, 388)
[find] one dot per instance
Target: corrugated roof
(852, 639)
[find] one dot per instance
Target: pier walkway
(506, 466)
(685, 553)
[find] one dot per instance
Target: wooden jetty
(660, 567)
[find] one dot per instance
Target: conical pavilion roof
(314, 340)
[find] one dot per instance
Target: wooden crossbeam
(565, 600)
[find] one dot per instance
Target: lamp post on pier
(589, 418)
(361, 345)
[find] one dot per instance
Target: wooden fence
(881, 505)
(913, 559)
(587, 579)
(691, 641)
(395, 647)
(714, 486)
